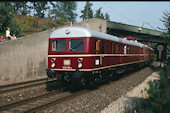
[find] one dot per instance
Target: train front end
(68, 55)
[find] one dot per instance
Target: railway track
(21, 85)
(40, 102)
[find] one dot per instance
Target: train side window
(119, 48)
(135, 50)
(122, 48)
(127, 48)
(130, 49)
(113, 48)
(102, 47)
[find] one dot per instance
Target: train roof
(80, 32)
(68, 32)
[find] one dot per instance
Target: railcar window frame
(125, 49)
(113, 47)
(103, 48)
(119, 48)
(97, 46)
(61, 46)
(73, 47)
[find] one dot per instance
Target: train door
(100, 51)
(121, 52)
(103, 57)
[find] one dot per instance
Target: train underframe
(90, 79)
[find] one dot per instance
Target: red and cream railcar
(80, 55)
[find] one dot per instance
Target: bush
(159, 95)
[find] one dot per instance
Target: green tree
(64, 11)
(24, 10)
(5, 15)
(98, 13)
(107, 17)
(56, 11)
(40, 7)
(68, 11)
(166, 22)
(16, 7)
(20, 8)
(87, 13)
(7, 19)
(49, 3)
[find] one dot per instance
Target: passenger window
(129, 49)
(125, 48)
(113, 48)
(76, 45)
(119, 48)
(102, 47)
(97, 46)
(59, 45)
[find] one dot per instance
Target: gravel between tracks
(127, 102)
(115, 97)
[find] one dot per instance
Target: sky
(143, 13)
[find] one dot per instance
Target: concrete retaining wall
(24, 58)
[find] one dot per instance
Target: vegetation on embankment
(159, 94)
(31, 24)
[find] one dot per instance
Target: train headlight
(53, 65)
(80, 60)
(80, 65)
(67, 31)
(53, 60)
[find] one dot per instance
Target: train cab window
(76, 45)
(59, 45)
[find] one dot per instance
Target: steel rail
(57, 101)
(6, 107)
(21, 83)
